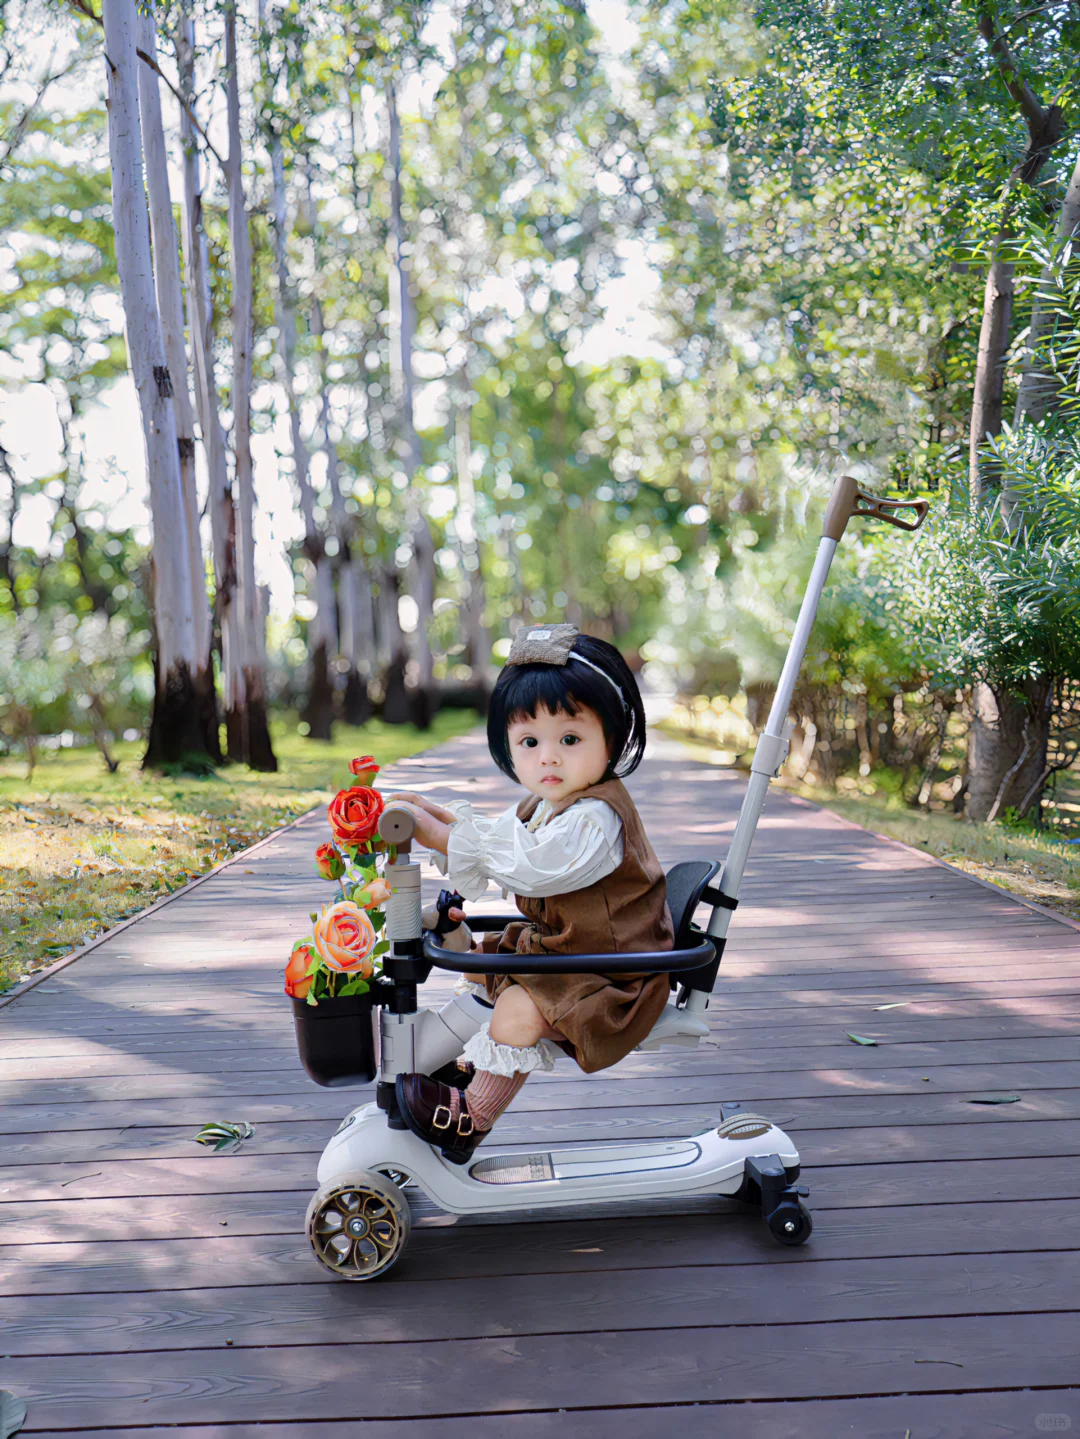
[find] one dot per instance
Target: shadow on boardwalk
(145, 1283)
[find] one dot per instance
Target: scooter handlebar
(847, 502)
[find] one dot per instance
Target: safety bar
(663, 961)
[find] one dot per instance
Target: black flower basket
(336, 1040)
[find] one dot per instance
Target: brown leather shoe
(459, 1073)
(424, 1105)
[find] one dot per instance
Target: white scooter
(358, 1221)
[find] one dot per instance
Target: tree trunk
(1038, 393)
(353, 582)
(176, 728)
(201, 323)
(986, 400)
(322, 627)
(1007, 745)
(477, 638)
(170, 299)
(402, 330)
(249, 724)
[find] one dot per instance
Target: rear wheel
(358, 1225)
(790, 1223)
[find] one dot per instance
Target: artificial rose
(328, 862)
(297, 979)
(374, 895)
(365, 769)
(345, 938)
(354, 814)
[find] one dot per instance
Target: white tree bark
(200, 318)
(175, 727)
(254, 735)
(322, 627)
(402, 331)
(476, 633)
(1038, 390)
(170, 299)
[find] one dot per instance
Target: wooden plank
(563, 1090)
(199, 1203)
(412, 1308)
(1000, 1413)
(410, 1380)
(70, 1190)
(818, 1006)
(448, 1249)
(556, 1113)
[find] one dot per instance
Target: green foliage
(996, 600)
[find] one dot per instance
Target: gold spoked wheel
(358, 1225)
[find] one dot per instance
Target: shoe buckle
(436, 1123)
(465, 1117)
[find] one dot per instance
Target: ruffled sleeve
(574, 849)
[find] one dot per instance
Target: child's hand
(430, 832)
(417, 801)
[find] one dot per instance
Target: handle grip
(847, 501)
(397, 825)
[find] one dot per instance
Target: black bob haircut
(567, 689)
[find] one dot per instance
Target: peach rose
(328, 862)
(354, 814)
(297, 979)
(365, 769)
(344, 937)
(374, 894)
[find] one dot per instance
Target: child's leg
(504, 1054)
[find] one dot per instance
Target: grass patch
(1038, 867)
(81, 849)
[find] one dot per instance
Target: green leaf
(995, 1099)
(224, 1134)
(861, 1039)
(382, 946)
(12, 1414)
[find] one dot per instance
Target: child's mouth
(552, 779)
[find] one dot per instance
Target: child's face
(558, 754)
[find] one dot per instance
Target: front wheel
(358, 1225)
(790, 1223)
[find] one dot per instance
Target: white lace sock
(506, 1059)
(469, 986)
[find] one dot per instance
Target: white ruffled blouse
(546, 856)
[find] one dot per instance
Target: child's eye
(571, 739)
(529, 742)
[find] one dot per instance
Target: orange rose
(328, 862)
(365, 769)
(374, 895)
(345, 938)
(354, 814)
(297, 979)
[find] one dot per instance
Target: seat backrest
(685, 883)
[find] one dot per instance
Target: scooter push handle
(397, 825)
(847, 502)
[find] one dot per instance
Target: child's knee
(516, 1020)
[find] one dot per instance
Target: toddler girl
(566, 721)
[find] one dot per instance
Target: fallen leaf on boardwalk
(12, 1414)
(860, 1039)
(586, 1251)
(995, 1099)
(224, 1135)
(900, 1003)
(955, 1363)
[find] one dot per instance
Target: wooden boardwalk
(147, 1286)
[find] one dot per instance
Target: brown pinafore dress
(603, 1017)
